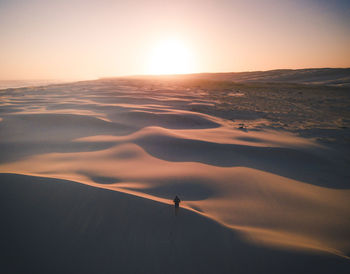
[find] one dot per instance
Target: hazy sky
(85, 39)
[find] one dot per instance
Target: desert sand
(89, 170)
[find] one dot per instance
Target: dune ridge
(237, 197)
(59, 226)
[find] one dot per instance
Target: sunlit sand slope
(269, 189)
(57, 226)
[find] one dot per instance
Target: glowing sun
(170, 57)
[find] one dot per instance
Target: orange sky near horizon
(89, 39)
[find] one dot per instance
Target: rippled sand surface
(272, 188)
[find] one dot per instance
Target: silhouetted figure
(177, 204)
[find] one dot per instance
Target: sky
(88, 39)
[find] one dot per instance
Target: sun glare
(170, 57)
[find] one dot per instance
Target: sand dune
(248, 195)
(317, 76)
(237, 197)
(56, 226)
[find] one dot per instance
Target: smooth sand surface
(260, 201)
(58, 226)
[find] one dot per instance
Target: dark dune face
(281, 161)
(57, 127)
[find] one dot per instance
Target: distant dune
(314, 76)
(26, 83)
(322, 76)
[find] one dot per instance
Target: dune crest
(267, 208)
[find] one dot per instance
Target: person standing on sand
(177, 204)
